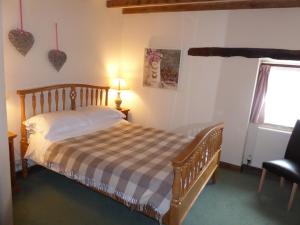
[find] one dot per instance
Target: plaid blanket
(126, 161)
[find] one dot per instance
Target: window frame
(275, 63)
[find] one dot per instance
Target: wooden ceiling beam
(282, 54)
(135, 3)
(150, 6)
(209, 5)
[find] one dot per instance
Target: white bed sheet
(38, 144)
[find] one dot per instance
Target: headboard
(58, 98)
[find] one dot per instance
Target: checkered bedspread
(126, 161)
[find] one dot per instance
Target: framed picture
(161, 68)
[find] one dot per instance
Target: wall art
(161, 68)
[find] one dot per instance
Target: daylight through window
(278, 100)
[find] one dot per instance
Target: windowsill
(273, 127)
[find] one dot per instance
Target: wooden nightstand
(125, 112)
(11, 137)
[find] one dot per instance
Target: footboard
(193, 168)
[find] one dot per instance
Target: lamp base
(118, 101)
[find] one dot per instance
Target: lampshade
(119, 84)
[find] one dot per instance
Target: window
(277, 101)
(283, 96)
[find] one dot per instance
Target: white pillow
(56, 123)
(87, 130)
(100, 113)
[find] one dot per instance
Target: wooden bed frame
(193, 167)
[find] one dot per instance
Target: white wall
(214, 88)
(88, 33)
(264, 143)
(267, 28)
(195, 97)
(5, 188)
(233, 105)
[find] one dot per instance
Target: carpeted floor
(50, 199)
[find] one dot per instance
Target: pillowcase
(100, 113)
(56, 123)
(87, 130)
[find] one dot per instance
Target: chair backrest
(293, 148)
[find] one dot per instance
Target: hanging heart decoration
(21, 39)
(56, 57)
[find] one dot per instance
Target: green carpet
(50, 199)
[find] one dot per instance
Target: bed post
(215, 174)
(174, 218)
(23, 143)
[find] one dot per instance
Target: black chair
(287, 168)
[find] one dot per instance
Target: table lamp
(119, 85)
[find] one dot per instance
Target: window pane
(283, 96)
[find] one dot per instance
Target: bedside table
(11, 137)
(125, 112)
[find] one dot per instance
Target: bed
(167, 170)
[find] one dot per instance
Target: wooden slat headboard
(58, 96)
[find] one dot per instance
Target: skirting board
(242, 168)
(230, 166)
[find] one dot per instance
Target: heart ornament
(57, 58)
(21, 40)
